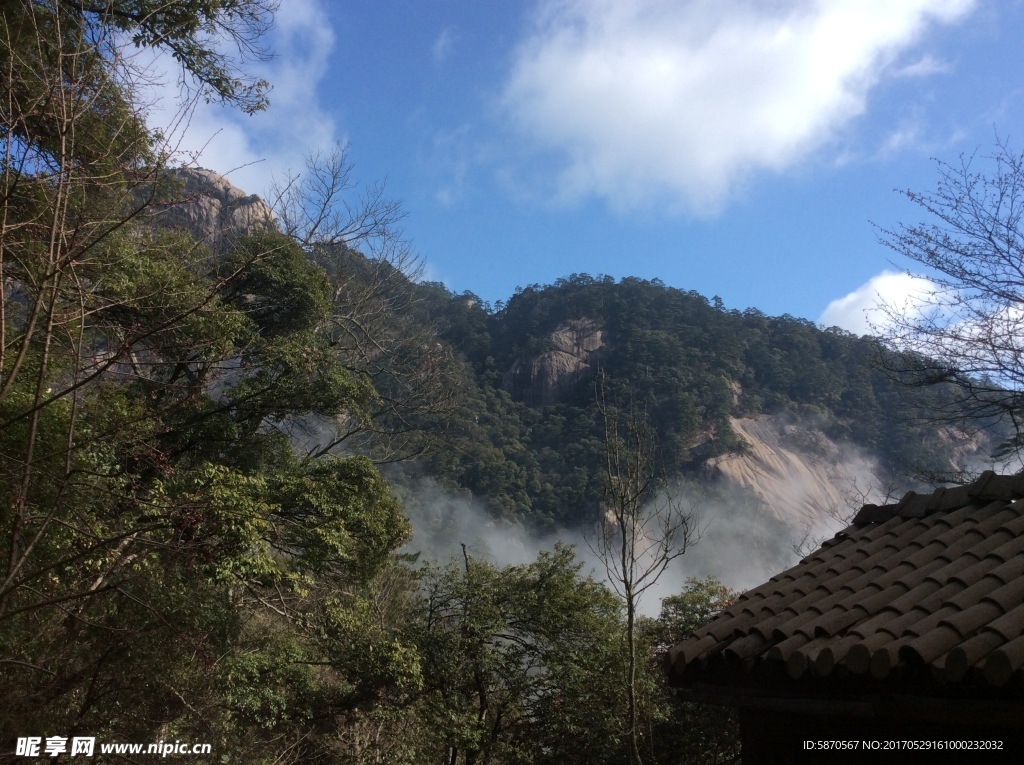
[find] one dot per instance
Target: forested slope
(530, 440)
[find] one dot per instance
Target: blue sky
(740, 149)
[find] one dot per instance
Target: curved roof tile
(927, 592)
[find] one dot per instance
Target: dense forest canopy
(687, 362)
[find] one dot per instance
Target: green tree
(517, 663)
(684, 732)
(171, 566)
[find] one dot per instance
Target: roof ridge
(988, 487)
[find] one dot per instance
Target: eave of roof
(892, 706)
(924, 596)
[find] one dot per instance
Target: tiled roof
(925, 594)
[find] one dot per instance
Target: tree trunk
(634, 747)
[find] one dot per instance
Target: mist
(737, 538)
(754, 514)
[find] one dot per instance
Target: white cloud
(925, 66)
(684, 100)
(442, 47)
(901, 138)
(452, 154)
(866, 309)
(253, 149)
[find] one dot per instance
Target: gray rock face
(214, 211)
(801, 475)
(541, 380)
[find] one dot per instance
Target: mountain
(794, 419)
(773, 415)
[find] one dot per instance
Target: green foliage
(262, 681)
(267, 277)
(336, 513)
(38, 39)
(193, 33)
(169, 561)
(684, 732)
(683, 614)
(519, 662)
(688, 364)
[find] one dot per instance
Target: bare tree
(314, 208)
(968, 330)
(644, 526)
(355, 236)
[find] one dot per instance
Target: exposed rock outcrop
(213, 210)
(542, 379)
(801, 475)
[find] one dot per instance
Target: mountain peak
(212, 209)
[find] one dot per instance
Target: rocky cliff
(540, 380)
(213, 210)
(803, 477)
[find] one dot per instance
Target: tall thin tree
(644, 526)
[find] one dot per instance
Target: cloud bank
(867, 309)
(683, 101)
